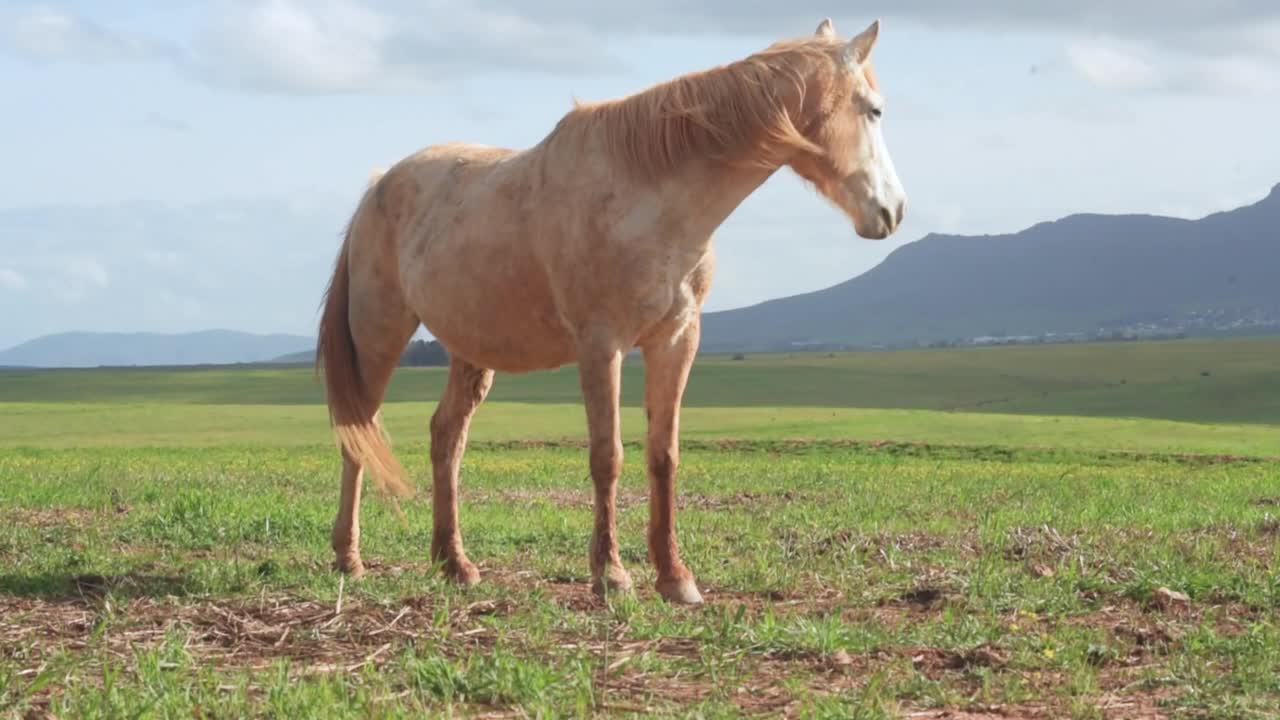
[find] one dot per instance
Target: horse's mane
(745, 111)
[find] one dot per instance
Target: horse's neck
(710, 192)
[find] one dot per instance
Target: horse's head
(851, 165)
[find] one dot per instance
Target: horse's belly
(508, 327)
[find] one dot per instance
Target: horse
(593, 243)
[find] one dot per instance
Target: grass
(840, 581)
(1137, 397)
(164, 550)
(1207, 381)
(69, 425)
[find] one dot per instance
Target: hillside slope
(88, 349)
(1081, 274)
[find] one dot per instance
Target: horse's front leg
(600, 372)
(667, 366)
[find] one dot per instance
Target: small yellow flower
(1049, 653)
(1014, 627)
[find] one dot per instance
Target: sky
(171, 165)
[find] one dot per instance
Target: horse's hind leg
(346, 527)
(465, 389)
(380, 329)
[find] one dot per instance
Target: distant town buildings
(1201, 322)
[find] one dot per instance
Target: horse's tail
(353, 412)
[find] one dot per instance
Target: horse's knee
(606, 459)
(663, 463)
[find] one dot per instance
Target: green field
(1223, 381)
(951, 533)
(1168, 397)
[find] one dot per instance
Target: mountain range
(1083, 276)
(91, 349)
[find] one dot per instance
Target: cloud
(282, 45)
(773, 18)
(12, 280)
(397, 46)
(1118, 65)
(1131, 46)
(324, 46)
(393, 45)
(337, 46)
(1112, 67)
(77, 277)
(48, 34)
(88, 270)
(181, 307)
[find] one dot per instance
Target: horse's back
(462, 225)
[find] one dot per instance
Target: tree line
(424, 353)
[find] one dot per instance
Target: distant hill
(210, 347)
(302, 357)
(1085, 274)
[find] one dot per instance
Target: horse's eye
(876, 112)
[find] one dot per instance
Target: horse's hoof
(463, 574)
(349, 566)
(615, 580)
(680, 591)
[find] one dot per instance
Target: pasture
(1087, 531)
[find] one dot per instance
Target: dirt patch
(1269, 526)
(1040, 545)
(769, 688)
(1111, 707)
(1236, 542)
(1139, 631)
(584, 498)
(252, 633)
(901, 448)
(569, 593)
(740, 499)
(924, 598)
(880, 545)
(238, 633)
(580, 499)
(934, 662)
(815, 601)
(49, 518)
(997, 712)
(92, 586)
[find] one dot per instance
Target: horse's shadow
(71, 587)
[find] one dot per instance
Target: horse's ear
(825, 29)
(859, 48)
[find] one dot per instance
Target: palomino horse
(593, 242)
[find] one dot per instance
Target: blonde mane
(752, 111)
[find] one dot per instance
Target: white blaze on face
(886, 188)
(883, 199)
